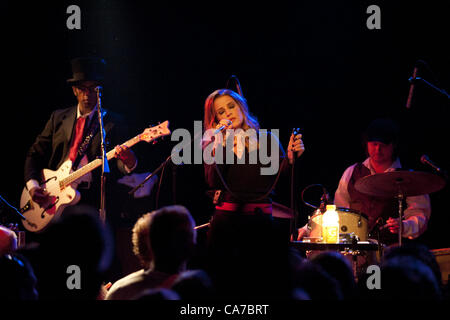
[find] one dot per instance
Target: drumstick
(202, 226)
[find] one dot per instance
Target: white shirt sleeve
(341, 196)
(416, 216)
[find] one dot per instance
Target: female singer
(241, 231)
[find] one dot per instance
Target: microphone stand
(441, 91)
(150, 176)
(293, 225)
(105, 165)
(169, 158)
(294, 220)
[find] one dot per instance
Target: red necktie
(79, 128)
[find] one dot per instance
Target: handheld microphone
(411, 88)
(221, 128)
(426, 160)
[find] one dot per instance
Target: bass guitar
(62, 184)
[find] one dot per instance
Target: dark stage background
(308, 64)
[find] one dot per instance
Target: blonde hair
(140, 240)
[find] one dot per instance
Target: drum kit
(354, 233)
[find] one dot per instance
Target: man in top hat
(73, 133)
(381, 140)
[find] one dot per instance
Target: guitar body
(37, 217)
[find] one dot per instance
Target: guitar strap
(92, 130)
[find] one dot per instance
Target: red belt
(245, 207)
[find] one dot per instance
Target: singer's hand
(295, 146)
(224, 122)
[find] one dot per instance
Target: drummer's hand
(295, 146)
(301, 232)
(392, 224)
(39, 195)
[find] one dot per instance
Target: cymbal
(281, 211)
(407, 183)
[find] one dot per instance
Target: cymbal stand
(400, 196)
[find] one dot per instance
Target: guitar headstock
(155, 132)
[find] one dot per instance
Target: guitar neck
(95, 163)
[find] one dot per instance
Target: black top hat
(87, 69)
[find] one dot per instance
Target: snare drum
(350, 221)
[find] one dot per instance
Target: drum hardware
(357, 251)
(319, 246)
(400, 197)
(324, 199)
(354, 257)
(399, 185)
(376, 233)
(348, 237)
(352, 222)
(281, 211)
(312, 239)
(353, 254)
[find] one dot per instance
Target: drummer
(381, 140)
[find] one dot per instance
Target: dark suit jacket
(52, 145)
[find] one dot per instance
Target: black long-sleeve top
(245, 180)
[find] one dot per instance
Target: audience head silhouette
(76, 242)
(419, 251)
(17, 278)
(172, 238)
(194, 284)
(170, 243)
(337, 266)
(316, 282)
(410, 272)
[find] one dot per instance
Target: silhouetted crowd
(72, 261)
